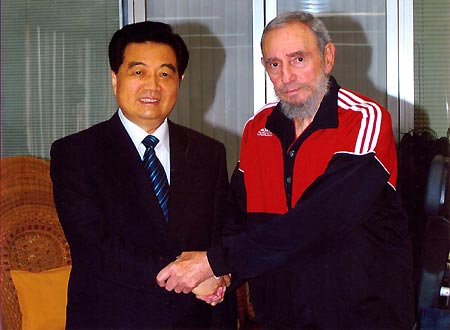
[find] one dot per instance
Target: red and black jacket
(322, 217)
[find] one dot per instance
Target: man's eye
(274, 65)
(299, 59)
(138, 72)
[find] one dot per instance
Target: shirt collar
(137, 134)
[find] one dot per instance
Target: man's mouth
(148, 100)
(288, 90)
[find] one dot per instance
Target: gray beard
(309, 107)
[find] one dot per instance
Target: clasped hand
(187, 273)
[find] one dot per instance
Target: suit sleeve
(221, 209)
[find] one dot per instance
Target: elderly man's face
(293, 61)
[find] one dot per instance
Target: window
(55, 72)
(432, 66)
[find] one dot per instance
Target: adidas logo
(264, 132)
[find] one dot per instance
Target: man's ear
(114, 81)
(328, 57)
(181, 78)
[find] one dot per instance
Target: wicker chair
(31, 236)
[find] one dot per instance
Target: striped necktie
(156, 173)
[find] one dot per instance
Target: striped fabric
(156, 174)
(371, 120)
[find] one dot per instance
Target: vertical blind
(55, 74)
(432, 65)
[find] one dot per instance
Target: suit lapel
(125, 167)
(179, 174)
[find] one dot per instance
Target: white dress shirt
(137, 134)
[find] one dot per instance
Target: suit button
(292, 153)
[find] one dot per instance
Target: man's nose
(287, 74)
(151, 82)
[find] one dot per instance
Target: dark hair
(315, 24)
(157, 32)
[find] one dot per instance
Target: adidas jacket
(326, 243)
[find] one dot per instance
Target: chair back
(31, 236)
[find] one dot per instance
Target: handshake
(191, 272)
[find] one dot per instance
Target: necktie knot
(150, 141)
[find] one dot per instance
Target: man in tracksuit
(326, 243)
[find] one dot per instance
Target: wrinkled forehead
(289, 38)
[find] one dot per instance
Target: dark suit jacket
(118, 237)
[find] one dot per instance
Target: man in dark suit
(119, 235)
